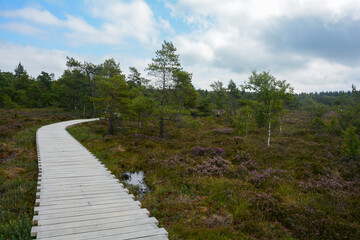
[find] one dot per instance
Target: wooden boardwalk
(78, 198)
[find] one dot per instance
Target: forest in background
(254, 161)
(102, 90)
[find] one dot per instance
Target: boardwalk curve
(78, 198)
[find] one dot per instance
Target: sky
(312, 44)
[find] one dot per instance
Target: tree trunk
(84, 110)
(268, 142)
(111, 122)
(162, 108)
(139, 120)
(92, 102)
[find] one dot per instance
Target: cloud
(314, 44)
(338, 41)
(118, 22)
(34, 59)
(33, 15)
(319, 75)
(22, 28)
(126, 19)
(314, 40)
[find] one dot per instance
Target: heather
(211, 183)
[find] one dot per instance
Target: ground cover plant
(210, 183)
(18, 167)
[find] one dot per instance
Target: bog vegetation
(250, 161)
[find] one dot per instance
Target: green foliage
(348, 107)
(333, 127)
(26, 138)
(90, 70)
(19, 70)
(142, 106)
(271, 95)
(109, 68)
(16, 229)
(163, 67)
(220, 91)
(233, 97)
(192, 122)
(317, 124)
(243, 121)
(205, 107)
(352, 142)
(134, 79)
(45, 80)
(72, 91)
(8, 103)
(113, 98)
(184, 92)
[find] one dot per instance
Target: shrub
(222, 130)
(258, 179)
(352, 143)
(333, 127)
(200, 151)
(216, 166)
(317, 124)
(16, 229)
(192, 123)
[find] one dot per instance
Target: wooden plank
(135, 235)
(157, 237)
(77, 205)
(75, 182)
(108, 232)
(74, 185)
(75, 209)
(96, 227)
(90, 222)
(74, 194)
(85, 196)
(61, 220)
(47, 202)
(85, 200)
(88, 211)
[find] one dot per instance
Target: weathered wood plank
(118, 232)
(96, 227)
(88, 222)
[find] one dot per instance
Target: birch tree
(271, 94)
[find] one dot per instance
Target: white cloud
(118, 21)
(34, 59)
(126, 19)
(267, 9)
(229, 42)
(225, 39)
(34, 15)
(23, 28)
(320, 74)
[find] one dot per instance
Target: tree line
(103, 90)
